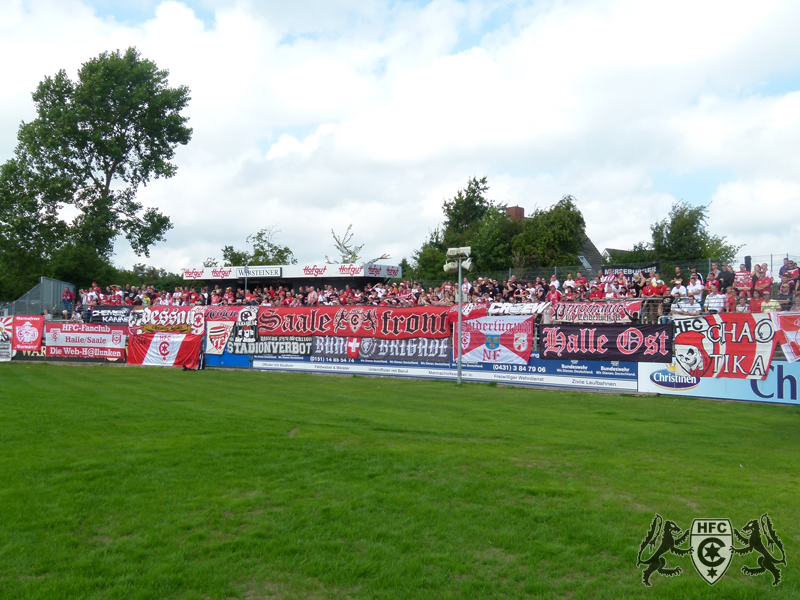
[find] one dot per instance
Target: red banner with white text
(734, 345)
(358, 321)
(165, 350)
(27, 333)
(84, 340)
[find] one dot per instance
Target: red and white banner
(788, 333)
(81, 340)
(27, 333)
(735, 345)
(476, 311)
(165, 350)
(217, 334)
(223, 313)
(6, 333)
(506, 340)
(168, 319)
(361, 321)
(596, 312)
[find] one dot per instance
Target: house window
(584, 262)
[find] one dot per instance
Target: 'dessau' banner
(166, 336)
(643, 343)
(735, 345)
(359, 321)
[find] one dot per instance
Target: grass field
(159, 483)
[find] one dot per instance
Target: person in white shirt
(678, 292)
(695, 288)
(554, 281)
(569, 282)
(686, 307)
(715, 302)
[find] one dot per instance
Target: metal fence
(44, 295)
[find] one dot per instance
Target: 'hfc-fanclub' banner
(166, 336)
(79, 340)
(736, 345)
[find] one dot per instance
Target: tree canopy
(264, 251)
(93, 143)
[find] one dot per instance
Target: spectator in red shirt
(743, 281)
(731, 299)
(754, 306)
(554, 295)
(596, 293)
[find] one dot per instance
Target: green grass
(159, 483)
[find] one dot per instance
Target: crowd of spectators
(723, 289)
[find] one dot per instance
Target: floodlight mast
(461, 255)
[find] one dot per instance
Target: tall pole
(460, 292)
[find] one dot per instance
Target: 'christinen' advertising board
(780, 385)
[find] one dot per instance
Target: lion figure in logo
(671, 537)
(754, 543)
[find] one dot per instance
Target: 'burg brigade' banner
(644, 343)
(736, 345)
(415, 349)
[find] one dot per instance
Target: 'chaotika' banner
(380, 322)
(736, 345)
(80, 340)
(644, 343)
(596, 312)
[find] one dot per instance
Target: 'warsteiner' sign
(736, 345)
(415, 349)
(596, 312)
(380, 322)
(643, 343)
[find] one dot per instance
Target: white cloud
(313, 115)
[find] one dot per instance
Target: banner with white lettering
(414, 349)
(165, 350)
(27, 333)
(168, 319)
(83, 340)
(496, 340)
(735, 345)
(111, 315)
(596, 312)
(644, 343)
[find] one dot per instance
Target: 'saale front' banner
(380, 322)
(596, 312)
(83, 340)
(165, 350)
(27, 333)
(736, 345)
(497, 340)
(434, 350)
(643, 343)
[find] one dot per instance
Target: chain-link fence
(44, 295)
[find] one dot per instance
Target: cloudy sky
(313, 114)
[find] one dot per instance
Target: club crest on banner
(711, 541)
(520, 342)
(492, 342)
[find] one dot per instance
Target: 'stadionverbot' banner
(734, 345)
(642, 343)
(111, 315)
(80, 340)
(380, 322)
(434, 350)
(596, 312)
(497, 340)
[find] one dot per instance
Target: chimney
(515, 213)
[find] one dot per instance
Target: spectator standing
(715, 302)
(693, 273)
(743, 281)
(769, 305)
(725, 278)
(695, 288)
(67, 298)
(714, 271)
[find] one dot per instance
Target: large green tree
(551, 237)
(264, 251)
(683, 235)
(93, 143)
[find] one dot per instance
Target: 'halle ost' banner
(644, 343)
(81, 340)
(166, 336)
(379, 322)
(505, 340)
(735, 345)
